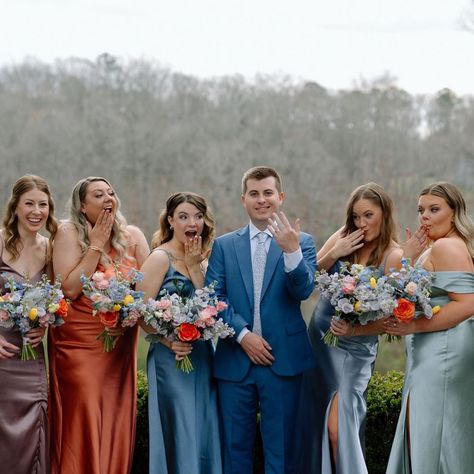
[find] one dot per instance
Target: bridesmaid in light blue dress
(435, 431)
(334, 393)
(182, 408)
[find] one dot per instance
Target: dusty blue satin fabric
(346, 370)
(439, 389)
(182, 408)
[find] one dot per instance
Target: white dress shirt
(291, 260)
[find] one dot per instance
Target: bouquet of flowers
(412, 288)
(114, 301)
(187, 319)
(28, 305)
(358, 294)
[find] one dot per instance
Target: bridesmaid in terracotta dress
(24, 253)
(93, 393)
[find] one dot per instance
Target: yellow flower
(357, 306)
(373, 283)
(33, 314)
(52, 308)
(128, 300)
(1, 299)
(436, 309)
(117, 307)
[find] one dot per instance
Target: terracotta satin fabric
(93, 396)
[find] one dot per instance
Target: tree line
(153, 131)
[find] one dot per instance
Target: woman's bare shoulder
(450, 254)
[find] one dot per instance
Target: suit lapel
(243, 256)
(274, 254)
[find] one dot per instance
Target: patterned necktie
(259, 260)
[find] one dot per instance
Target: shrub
(383, 407)
(140, 457)
(383, 401)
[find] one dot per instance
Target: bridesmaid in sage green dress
(182, 408)
(331, 435)
(435, 431)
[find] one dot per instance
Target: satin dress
(439, 391)
(182, 408)
(93, 394)
(24, 447)
(345, 369)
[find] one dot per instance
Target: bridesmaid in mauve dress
(93, 393)
(332, 421)
(435, 431)
(23, 384)
(182, 408)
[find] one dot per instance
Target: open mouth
(34, 221)
(108, 209)
(190, 234)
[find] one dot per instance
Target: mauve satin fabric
(93, 396)
(23, 406)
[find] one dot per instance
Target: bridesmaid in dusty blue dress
(334, 393)
(184, 429)
(435, 431)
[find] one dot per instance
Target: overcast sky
(332, 42)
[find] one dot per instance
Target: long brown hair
(453, 197)
(379, 197)
(10, 219)
(164, 233)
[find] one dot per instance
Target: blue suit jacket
(282, 322)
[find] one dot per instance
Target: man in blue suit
(263, 271)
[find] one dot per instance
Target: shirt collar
(253, 230)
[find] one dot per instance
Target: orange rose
(109, 319)
(63, 308)
(188, 332)
(405, 310)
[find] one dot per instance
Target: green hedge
(383, 400)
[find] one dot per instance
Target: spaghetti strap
(168, 254)
(384, 263)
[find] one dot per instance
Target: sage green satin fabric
(439, 391)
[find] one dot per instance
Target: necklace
(174, 258)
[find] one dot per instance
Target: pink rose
(131, 319)
(206, 316)
(44, 321)
(6, 296)
(163, 304)
(98, 298)
(102, 284)
(349, 285)
(221, 306)
(98, 276)
(211, 309)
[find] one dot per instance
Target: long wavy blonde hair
(119, 237)
(462, 222)
(10, 219)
